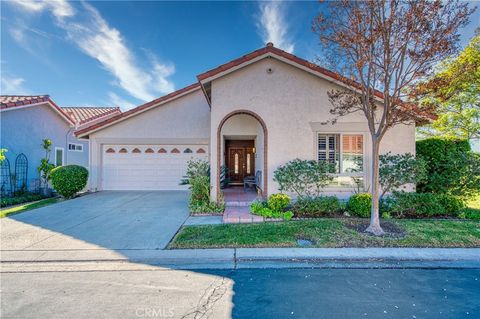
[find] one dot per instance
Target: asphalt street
(156, 292)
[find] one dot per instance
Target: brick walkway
(237, 209)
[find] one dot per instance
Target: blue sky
(126, 53)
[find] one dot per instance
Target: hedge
(69, 180)
(450, 166)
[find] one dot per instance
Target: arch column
(265, 149)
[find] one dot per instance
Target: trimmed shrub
(20, 199)
(360, 205)
(469, 213)
(69, 180)
(451, 167)
(262, 208)
(278, 202)
(304, 178)
(397, 170)
(418, 205)
(317, 206)
(452, 204)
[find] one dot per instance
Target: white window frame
(63, 155)
(75, 147)
(342, 174)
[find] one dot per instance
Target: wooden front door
(240, 160)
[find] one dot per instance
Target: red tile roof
(83, 115)
(9, 101)
(82, 131)
(14, 101)
(270, 49)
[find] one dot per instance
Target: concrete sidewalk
(250, 258)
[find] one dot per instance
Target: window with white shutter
(346, 152)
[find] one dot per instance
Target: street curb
(241, 258)
(361, 254)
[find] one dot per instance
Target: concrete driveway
(104, 220)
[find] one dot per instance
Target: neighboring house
(252, 114)
(27, 120)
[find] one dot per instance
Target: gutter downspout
(66, 143)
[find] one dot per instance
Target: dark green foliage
(305, 178)
(198, 176)
(470, 213)
(451, 167)
(23, 198)
(317, 206)
(397, 170)
(275, 207)
(418, 205)
(69, 180)
(360, 205)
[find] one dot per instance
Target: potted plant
(45, 168)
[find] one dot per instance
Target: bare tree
(383, 48)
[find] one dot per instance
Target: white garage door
(148, 167)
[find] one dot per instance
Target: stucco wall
(22, 131)
(185, 120)
(293, 104)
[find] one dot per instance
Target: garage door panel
(129, 167)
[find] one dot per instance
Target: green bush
(262, 208)
(278, 202)
(198, 176)
(317, 206)
(257, 206)
(305, 178)
(69, 180)
(470, 213)
(24, 198)
(360, 205)
(418, 205)
(452, 204)
(451, 167)
(206, 207)
(397, 170)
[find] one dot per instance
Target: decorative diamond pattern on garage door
(136, 167)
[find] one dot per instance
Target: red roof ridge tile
(85, 114)
(13, 101)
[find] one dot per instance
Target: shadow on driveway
(103, 220)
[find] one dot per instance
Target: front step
(238, 203)
(240, 214)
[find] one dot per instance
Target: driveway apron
(103, 220)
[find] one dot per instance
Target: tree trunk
(374, 226)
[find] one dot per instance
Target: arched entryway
(234, 127)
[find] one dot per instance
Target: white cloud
(11, 85)
(273, 25)
(93, 35)
(59, 8)
(121, 102)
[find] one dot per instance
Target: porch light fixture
(254, 150)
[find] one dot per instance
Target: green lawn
(330, 233)
(27, 206)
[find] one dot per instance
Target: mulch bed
(392, 230)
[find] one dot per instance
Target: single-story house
(251, 114)
(27, 120)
